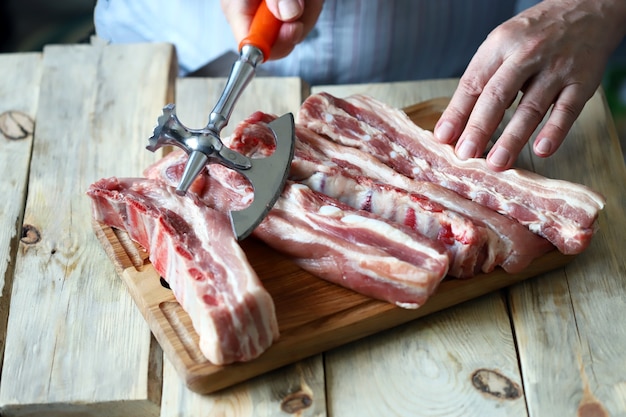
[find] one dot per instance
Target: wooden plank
(295, 389)
(401, 94)
(19, 89)
(76, 343)
(196, 97)
(459, 359)
(568, 324)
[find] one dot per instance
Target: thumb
(286, 10)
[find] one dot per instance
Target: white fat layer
(384, 229)
(409, 306)
(329, 210)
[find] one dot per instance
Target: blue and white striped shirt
(353, 41)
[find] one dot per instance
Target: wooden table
(72, 342)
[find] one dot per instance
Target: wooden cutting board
(313, 315)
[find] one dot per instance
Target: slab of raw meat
(193, 247)
(563, 212)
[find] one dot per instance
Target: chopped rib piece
(466, 242)
(563, 212)
(193, 247)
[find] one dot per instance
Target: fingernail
(465, 149)
(444, 131)
(543, 146)
(288, 9)
(500, 157)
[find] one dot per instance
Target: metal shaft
(241, 74)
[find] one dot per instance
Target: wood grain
(297, 389)
(569, 324)
(458, 362)
(75, 339)
(314, 316)
(19, 89)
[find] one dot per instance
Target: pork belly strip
(563, 212)
(352, 248)
(510, 244)
(466, 242)
(193, 247)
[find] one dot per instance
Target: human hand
(298, 17)
(555, 54)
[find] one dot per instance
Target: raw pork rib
(563, 212)
(352, 248)
(194, 248)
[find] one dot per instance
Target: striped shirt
(353, 41)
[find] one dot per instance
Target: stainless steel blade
(267, 176)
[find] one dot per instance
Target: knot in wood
(592, 409)
(30, 235)
(164, 283)
(495, 384)
(15, 125)
(296, 402)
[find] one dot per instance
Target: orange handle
(263, 31)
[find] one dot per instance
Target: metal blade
(267, 176)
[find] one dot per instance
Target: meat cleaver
(204, 146)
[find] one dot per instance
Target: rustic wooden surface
(569, 326)
(19, 92)
(75, 339)
(76, 343)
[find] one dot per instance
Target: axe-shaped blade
(267, 176)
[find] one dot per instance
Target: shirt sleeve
(197, 28)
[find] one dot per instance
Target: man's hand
(554, 54)
(298, 16)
